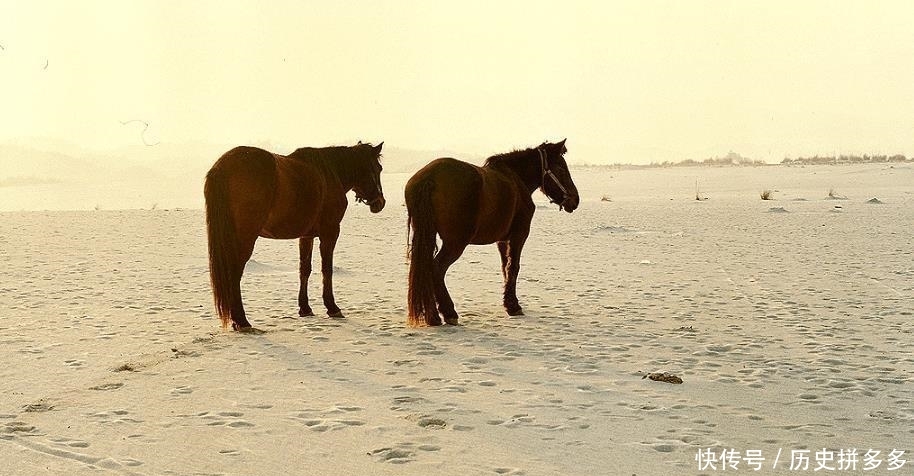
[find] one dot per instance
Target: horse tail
(421, 293)
(223, 245)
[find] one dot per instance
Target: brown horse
(466, 204)
(251, 192)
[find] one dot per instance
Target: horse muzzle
(570, 203)
(377, 204)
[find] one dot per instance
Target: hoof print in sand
(663, 377)
(39, 407)
(432, 423)
(392, 455)
(17, 427)
(329, 419)
(179, 353)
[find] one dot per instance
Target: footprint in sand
(180, 353)
(514, 421)
(329, 419)
(39, 407)
(474, 363)
(432, 423)
(582, 368)
(114, 416)
(16, 427)
(661, 446)
(182, 390)
(393, 455)
(402, 453)
(403, 401)
(230, 419)
(70, 443)
(107, 386)
(509, 471)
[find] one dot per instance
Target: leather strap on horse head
(547, 172)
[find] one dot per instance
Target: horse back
(305, 197)
(247, 176)
(470, 204)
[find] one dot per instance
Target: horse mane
(508, 158)
(326, 153)
(338, 158)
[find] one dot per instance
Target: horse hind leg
(448, 254)
(239, 319)
(512, 306)
(511, 258)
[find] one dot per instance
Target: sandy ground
(789, 322)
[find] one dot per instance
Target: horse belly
(296, 209)
(497, 207)
(287, 232)
(492, 228)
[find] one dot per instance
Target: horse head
(556, 179)
(368, 177)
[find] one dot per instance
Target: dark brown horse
(465, 204)
(251, 192)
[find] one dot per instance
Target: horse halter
(380, 196)
(547, 172)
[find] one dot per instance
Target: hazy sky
(624, 81)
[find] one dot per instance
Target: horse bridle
(376, 199)
(547, 172)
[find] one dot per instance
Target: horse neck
(527, 167)
(334, 163)
(341, 167)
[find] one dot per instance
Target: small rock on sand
(663, 377)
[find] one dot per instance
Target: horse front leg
(328, 243)
(305, 247)
(503, 252)
(511, 258)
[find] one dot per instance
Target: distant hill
(18, 163)
(397, 160)
(164, 175)
(847, 159)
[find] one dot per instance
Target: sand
(790, 331)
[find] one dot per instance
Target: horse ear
(563, 142)
(378, 147)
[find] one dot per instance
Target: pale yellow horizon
(623, 81)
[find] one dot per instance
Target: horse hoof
(250, 330)
(335, 314)
(305, 313)
(515, 312)
(451, 321)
